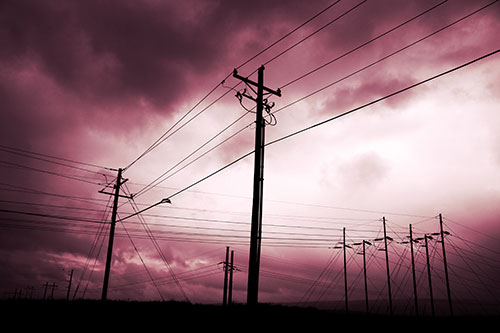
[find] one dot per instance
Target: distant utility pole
(387, 265)
(364, 273)
(345, 272)
(53, 287)
(426, 237)
(258, 183)
(226, 271)
(69, 285)
(231, 269)
(413, 272)
(119, 182)
(45, 286)
(445, 263)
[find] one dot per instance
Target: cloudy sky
(86, 87)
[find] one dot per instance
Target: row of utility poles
(411, 241)
(48, 290)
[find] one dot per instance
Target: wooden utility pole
(387, 265)
(231, 269)
(364, 273)
(445, 264)
(119, 182)
(345, 273)
(258, 182)
(413, 272)
(426, 237)
(226, 271)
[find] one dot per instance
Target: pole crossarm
(255, 84)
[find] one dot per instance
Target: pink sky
(100, 82)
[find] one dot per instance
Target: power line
(288, 33)
(324, 122)
(316, 31)
(48, 172)
(383, 58)
(384, 97)
(26, 153)
(362, 45)
(157, 180)
(164, 136)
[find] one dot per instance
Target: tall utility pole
(387, 265)
(258, 182)
(445, 264)
(119, 182)
(226, 271)
(426, 237)
(345, 273)
(413, 272)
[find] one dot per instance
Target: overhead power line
(315, 32)
(321, 123)
(166, 135)
(363, 45)
(379, 60)
(383, 98)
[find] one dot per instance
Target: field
(178, 316)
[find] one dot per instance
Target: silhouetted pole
(345, 275)
(53, 286)
(258, 183)
(46, 285)
(429, 273)
(413, 272)
(231, 267)
(364, 273)
(69, 285)
(445, 265)
(387, 265)
(226, 271)
(111, 236)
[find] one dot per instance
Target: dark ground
(179, 317)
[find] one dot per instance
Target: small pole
(345, 275)
(226, 268)
(52, 293)
(69, 285)
(429, 274)
(387, 265)
(231, 267)
(445, 265)
(364, 273)
(413, 272)
(46, 285)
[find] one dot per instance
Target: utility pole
(413, 272)
(69, 285)
(53, 287)
(387, 265)
(258, 182)
(345, 273)
(231, 267)
(226, 269)
(429, 273)
(364, 273)
(119, 182)
(46, 285)
(445, 264)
